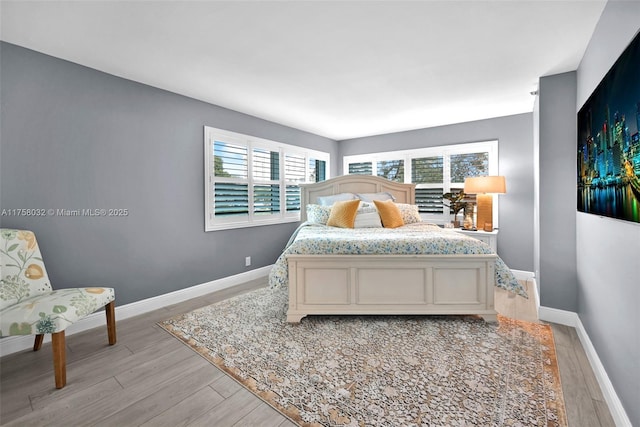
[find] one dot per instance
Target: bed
(415, 269)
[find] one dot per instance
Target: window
(317, 170)
(393, 170)
(434, 170)
(251, 181)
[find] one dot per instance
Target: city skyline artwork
(608, 157)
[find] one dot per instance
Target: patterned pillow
(317, 214)
(410, 213)
(343, 214)
(389, 214)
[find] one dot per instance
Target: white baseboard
(562, 317)
(569, 318)
(9, 345)
(613, 402)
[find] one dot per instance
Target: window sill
(246, 224)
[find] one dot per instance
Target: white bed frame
(386, 284)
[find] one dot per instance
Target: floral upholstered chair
(28, 305)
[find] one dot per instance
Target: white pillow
(367, 216)
(367, 207)
(367, 220)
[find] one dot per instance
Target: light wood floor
(150, 378)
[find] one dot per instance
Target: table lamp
(484, 187)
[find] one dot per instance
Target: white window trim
(490, 146)
(213, 224)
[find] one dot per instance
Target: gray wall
(607, 249)
(557, 192)
(515, 136)
(73, 138)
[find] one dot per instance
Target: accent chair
(29, 305)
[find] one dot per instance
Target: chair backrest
(22, 272)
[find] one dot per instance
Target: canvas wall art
(609, 144)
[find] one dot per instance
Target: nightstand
(489, 237)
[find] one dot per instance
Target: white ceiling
(341, 69)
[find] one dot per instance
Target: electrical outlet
(247, 261)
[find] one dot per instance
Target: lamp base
(485, 211)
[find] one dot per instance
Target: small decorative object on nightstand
(467, 224)
(456, 204)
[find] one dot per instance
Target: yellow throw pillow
(389, 214)
(343, 214)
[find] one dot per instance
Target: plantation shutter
(427, 173)
(266, 182)
(231, 190)
(294, 174)
(363, 168)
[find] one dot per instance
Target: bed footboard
(391, 284)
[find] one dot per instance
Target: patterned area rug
(381, 370)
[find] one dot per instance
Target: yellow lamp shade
(485, 184)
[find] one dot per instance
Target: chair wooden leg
(59, 358)
(38, 342)
(110, 309)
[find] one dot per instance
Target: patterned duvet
(411, 239)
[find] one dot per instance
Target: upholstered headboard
(403, 193)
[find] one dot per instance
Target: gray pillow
(330, 200)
